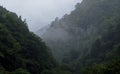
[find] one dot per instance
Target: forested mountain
(88, 37)
(84, 42)
(21, 51)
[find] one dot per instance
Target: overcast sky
(39, 13)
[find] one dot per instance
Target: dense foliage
(21, 51)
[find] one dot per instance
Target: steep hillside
(88, 37)
(21, 51)
(77, 31)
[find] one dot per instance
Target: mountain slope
(89, 37)
(21, 52)
(77, 31)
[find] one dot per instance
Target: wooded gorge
(86, 41)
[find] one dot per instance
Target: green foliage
(106, 68)
(20, 71)
(21, 52)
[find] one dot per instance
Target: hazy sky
(39, 13)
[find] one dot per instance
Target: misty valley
(86, 41)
